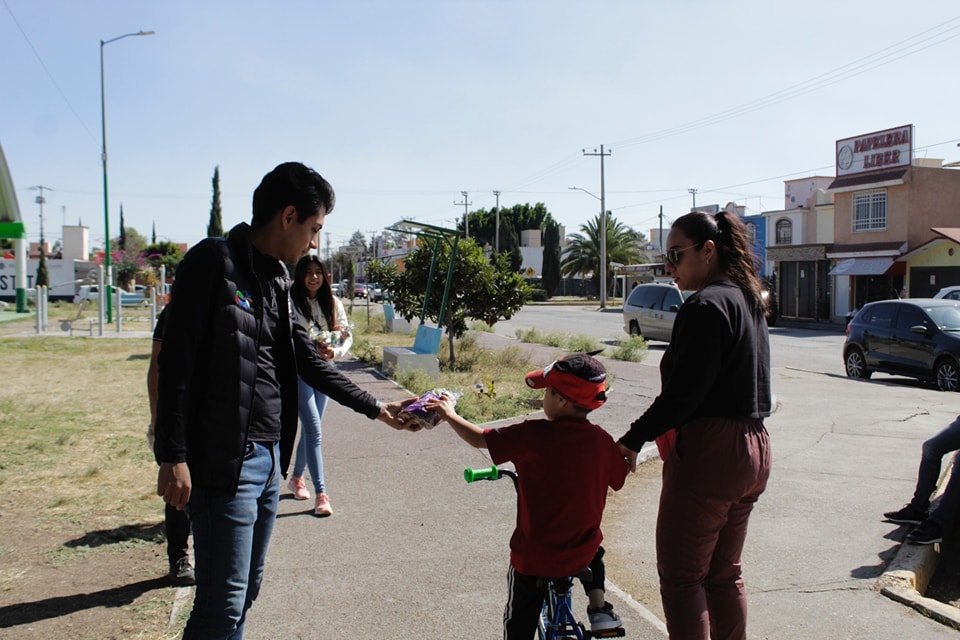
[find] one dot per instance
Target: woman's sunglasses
(673, 255)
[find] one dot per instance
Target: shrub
(633, 349)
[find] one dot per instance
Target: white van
(650, 309)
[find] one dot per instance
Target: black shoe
(908, 515)
(928, 532)
(181, 572)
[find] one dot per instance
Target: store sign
(61, 272)
(877, 151)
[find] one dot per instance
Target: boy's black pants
(525, 599)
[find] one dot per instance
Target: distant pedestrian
(708, 424)
(932, 523)
(227, 409)
(565, 465)
(176, 523)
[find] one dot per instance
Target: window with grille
(870, 211)
(752, 232)
(784, 232)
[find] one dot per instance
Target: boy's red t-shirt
(565, 467)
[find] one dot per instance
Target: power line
(843, 72)
(49, 75)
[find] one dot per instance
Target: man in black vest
(227, 410)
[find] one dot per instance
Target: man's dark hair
(291, 183)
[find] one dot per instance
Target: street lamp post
(103, 157)
(603, 243)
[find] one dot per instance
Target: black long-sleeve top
(717, 365)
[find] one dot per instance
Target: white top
(340, 320)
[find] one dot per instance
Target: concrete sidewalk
(412, 551)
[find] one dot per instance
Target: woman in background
(325, 319)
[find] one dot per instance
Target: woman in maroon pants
(708, 423)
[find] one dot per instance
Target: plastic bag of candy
(332, 338)
(417, 412)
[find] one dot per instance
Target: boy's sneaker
(181, 572)
(928, 532)
(603, 619)
(908, 515)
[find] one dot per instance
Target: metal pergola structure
(435, 235)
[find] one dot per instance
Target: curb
(908, 575)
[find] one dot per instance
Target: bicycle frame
(557, 620)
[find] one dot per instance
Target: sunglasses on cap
(673, 255)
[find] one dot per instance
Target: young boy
(564, 464)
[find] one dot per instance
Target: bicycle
(557, 621)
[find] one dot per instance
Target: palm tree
(583, 252)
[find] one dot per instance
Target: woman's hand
(325, 351)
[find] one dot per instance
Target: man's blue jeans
(933, 451)
(230, 538)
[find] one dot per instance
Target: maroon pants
(711, 481)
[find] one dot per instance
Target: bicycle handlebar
(490, 473)
(487, 473)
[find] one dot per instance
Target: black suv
(914, 337)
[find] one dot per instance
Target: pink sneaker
(299, 488)
(322, 508)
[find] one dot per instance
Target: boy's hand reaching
(444, 406)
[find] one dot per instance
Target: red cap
(578, 377)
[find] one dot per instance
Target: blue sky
(403, 105)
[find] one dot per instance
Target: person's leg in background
(312, 404)
(177, 527)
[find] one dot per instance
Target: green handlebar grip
(489, 473)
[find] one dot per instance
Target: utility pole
(660, 235)
(603, 226)
(466, 219)
(496, 240)
(693, 192)
(40, 200)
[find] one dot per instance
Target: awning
(861, 267)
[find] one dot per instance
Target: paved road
(414, 552)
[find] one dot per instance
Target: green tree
(43, 276)
(165, 254)
(551, 258)
(215, 226)
(624, 245)
(480, 289)
(132, 241)
(122, 243)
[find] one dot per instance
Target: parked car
(915, 337)
(950, 293)
(359, 290)
(375, 292)
(650, 309)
